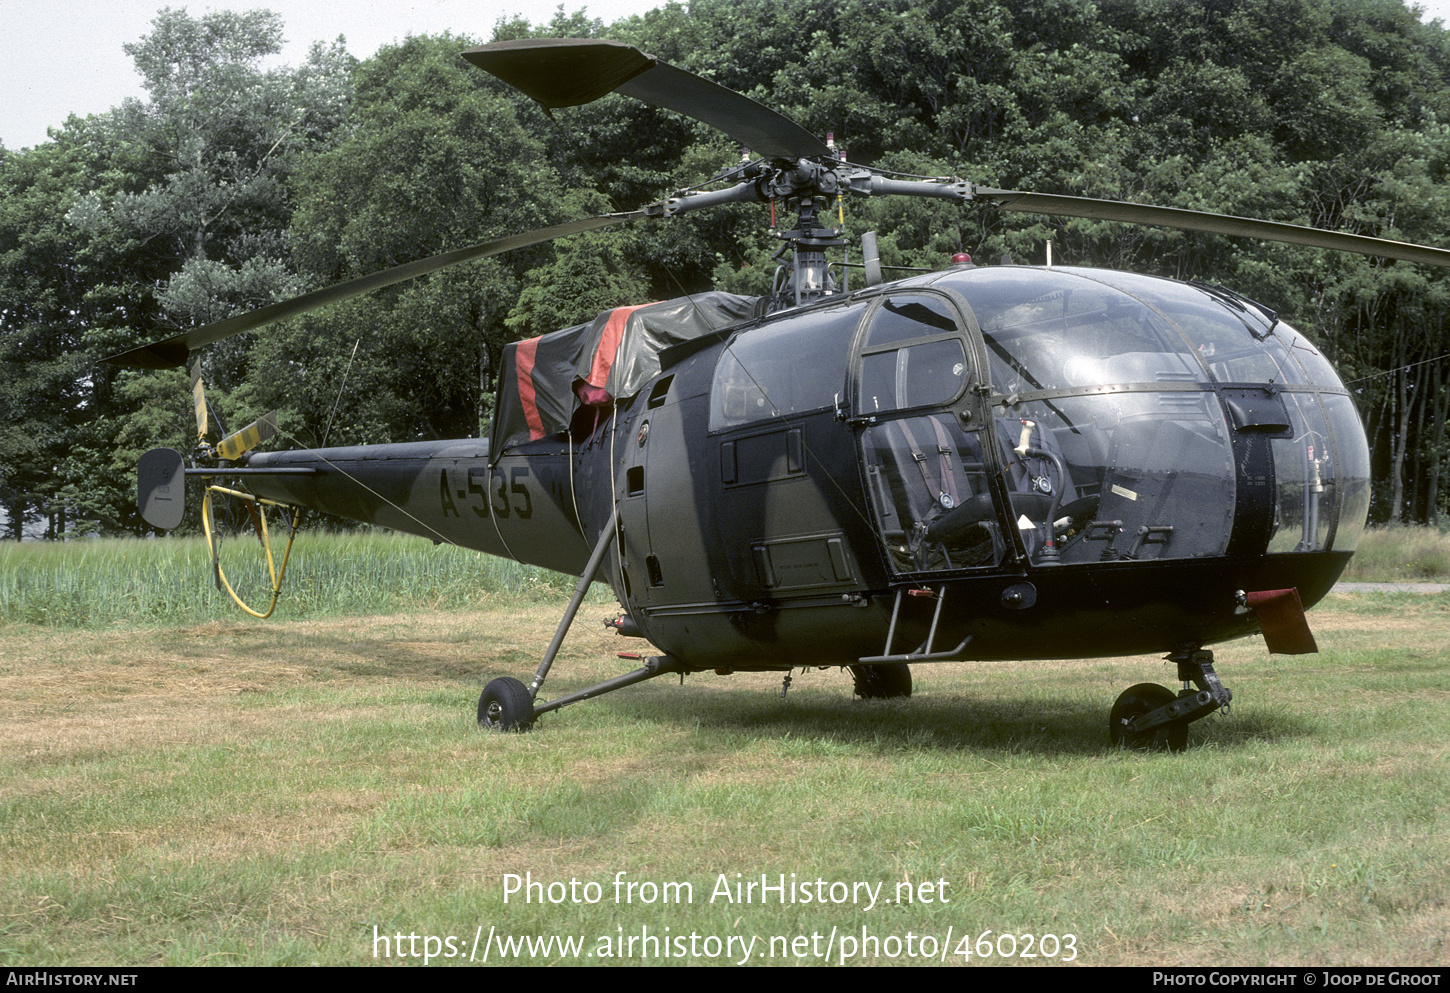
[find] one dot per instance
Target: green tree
(44, 276)
(215, 147)
(130, 223)
(435, 158)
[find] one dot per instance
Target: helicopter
(987, 462)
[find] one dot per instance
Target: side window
(913, 357)
(785, 368)
(905, 318)
(932, 373)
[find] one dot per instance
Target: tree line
(233, 185)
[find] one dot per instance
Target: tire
(1136, 701)
(884, 681)
(506, 705)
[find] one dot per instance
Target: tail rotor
(235, 445)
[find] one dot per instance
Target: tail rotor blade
(161, 488)
(198, 396)
(248, 438)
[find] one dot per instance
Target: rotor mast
(807, 275)
(807, 187)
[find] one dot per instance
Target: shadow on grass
(946, 722)
(991, 717)
(369, 658)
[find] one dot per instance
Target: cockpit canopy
(1050, 329)
(1125, 416)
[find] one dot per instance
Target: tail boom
(520, 506)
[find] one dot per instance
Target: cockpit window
(928, 374)
(1317, 369)
(913, 356)
(1048, 330)
(905, 318)
(1135, 419)
(783, 369)
(1232, 336)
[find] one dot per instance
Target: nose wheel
(1139, 701)
(1150, 717)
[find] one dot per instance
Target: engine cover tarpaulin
(544, 380)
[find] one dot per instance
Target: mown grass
(287, 792)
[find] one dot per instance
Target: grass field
(1401, 555)
(169, 581)
(315, 790)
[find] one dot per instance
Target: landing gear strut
(1149, 716)
(508, 705)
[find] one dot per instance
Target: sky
(64, 57)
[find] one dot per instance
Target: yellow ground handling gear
(257, 508)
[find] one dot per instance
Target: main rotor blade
(172, 351)
(1196, 220)
(568, 72)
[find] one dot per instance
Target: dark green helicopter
(985, 463)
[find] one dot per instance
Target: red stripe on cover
(609, 345)
(524, 372)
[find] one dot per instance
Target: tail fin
(161, 488)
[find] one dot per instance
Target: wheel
(1138, 700)
(882, 681)
(505, 705)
